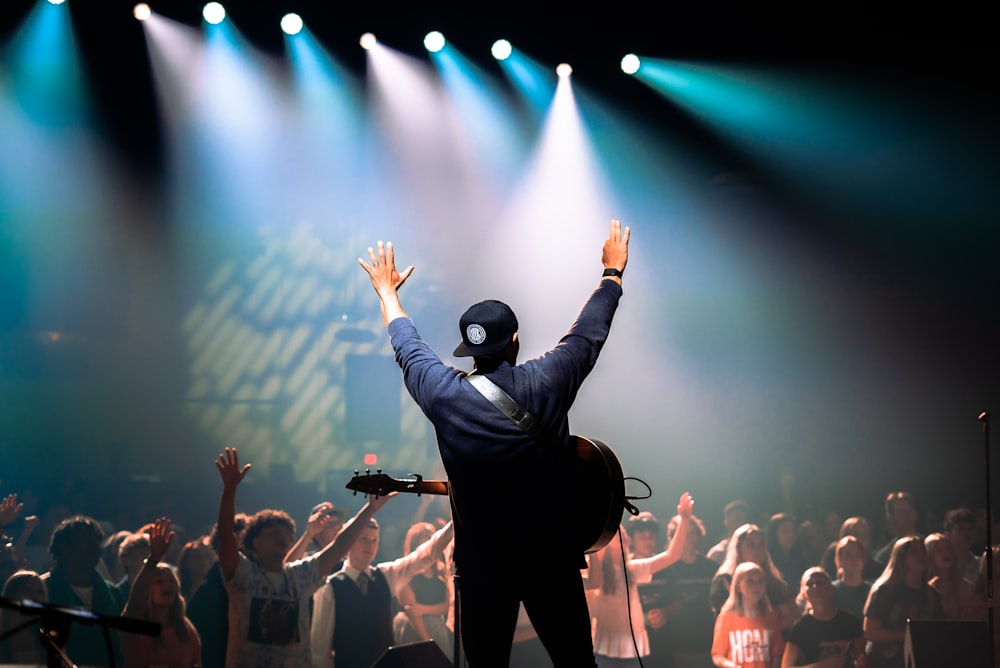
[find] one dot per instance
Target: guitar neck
(421, 486)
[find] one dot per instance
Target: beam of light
(46, 125)
(657, 187)
(852, 144)
(176, 56)
(533, 81)
(630, 64)
(45, 68)
(562, 201)
(434, 41)
(233, 139)
(430, 180)
(501, 49)
(412, 113)
(737, 102)
(328, 134)
(291, 24)
(214, 13)
(61, 261)
(485, 122)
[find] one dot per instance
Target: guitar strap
(524, 420)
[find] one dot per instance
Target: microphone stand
(54, 623)
(457, 650)
(984, 417)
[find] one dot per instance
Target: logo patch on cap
(475, 333)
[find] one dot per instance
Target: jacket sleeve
(321, 630)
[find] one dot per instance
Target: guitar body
(601, 499)
(602, 493)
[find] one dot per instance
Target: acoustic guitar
(601, 498)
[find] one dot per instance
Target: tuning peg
(379, 471)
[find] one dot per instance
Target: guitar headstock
(380, 484)
(376, 484)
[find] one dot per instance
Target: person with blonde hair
(748, 544)
(619, 630)
(860, 528)
(900, 594)
(155, 597)
(22, 647)
(747, 630)
(825, 636)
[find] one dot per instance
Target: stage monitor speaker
(945, 644)
(424, 654)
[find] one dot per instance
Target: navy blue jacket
(509, 488)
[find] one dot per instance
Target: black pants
(554, 600)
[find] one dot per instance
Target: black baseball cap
(487, 328)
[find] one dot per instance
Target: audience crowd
(257, 590)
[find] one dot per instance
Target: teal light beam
(536, 83)
(485, 112)
(873, 149)
(45, 68)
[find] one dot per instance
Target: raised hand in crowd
(318, 520)
(10, 510)
(232, 474)
(160, 537)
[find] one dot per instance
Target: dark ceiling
(915, 48)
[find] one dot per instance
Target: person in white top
(618, 627)
(352, 611)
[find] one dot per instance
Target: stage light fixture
(501, 49)
(630, 64)
(564, 70)
(367, 41)
(291, 24)
(214, 13)
(434, 41)
(142, 11)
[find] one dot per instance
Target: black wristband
(611, 271)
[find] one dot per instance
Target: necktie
(363, 583)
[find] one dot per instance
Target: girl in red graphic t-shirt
(747, 631)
